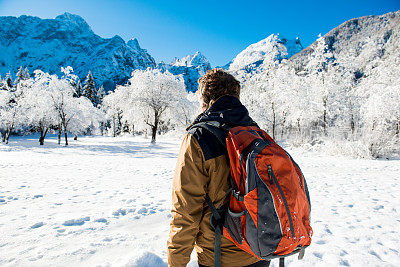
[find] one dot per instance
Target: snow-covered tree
(22, 74)
(78, 88)
(150, 99)
(3, 84)
(113, 104)
(100, 93)
(9, 82)
(89, 87)
(74, 114)
(10, 110)
(379, 92)
(185, 111)
(37, 106)
(45, 102)
(154, 93)
(26, 73)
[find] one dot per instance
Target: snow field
(355, 214)
(63, 205)
(106, 201)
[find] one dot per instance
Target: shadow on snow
(137, 147)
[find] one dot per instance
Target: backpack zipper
(274, 180)
(272, 197)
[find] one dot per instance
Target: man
(202, 168)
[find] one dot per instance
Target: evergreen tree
(89, 88)
(100, 95)
(19, 75)
(78, 88)
(22, 75)
(2, 84)
(26, 73)
(9, 82)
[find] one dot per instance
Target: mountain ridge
(190, 67)
(48, 44)
(68, 40)
(351, 35)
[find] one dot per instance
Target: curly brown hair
(216, 83)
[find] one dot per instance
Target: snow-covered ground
(105, 201)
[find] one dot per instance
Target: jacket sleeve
(188, 197)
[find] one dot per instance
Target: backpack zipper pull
(269, 168)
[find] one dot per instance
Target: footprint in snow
(142, 211)
(318, 255)
(101, 220)
(122, 212)
(375, 254)
(343, 253)
(37, 225)
(119, 212)
(73, 222)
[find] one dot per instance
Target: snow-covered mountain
(356, 43)
(191, 67)
(264, 54)
(346, 85)
(67, 40)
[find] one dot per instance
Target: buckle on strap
(301, 254)
(237, 195)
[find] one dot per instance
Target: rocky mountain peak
(67, 40)
(73, 19)
(271, 50)
(134, 43)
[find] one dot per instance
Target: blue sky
(219, 29)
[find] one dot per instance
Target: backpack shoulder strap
(219, 130)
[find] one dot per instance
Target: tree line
(44, 103)
(332, 100)
(328, 100)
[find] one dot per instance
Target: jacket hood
(226, 110)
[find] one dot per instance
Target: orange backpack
(269, 208)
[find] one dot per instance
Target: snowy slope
(105, 202)
(354, 43)
(191, 67)
(67, 40)
(265, 54)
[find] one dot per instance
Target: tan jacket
(196, 175)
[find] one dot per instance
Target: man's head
(214, 84)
